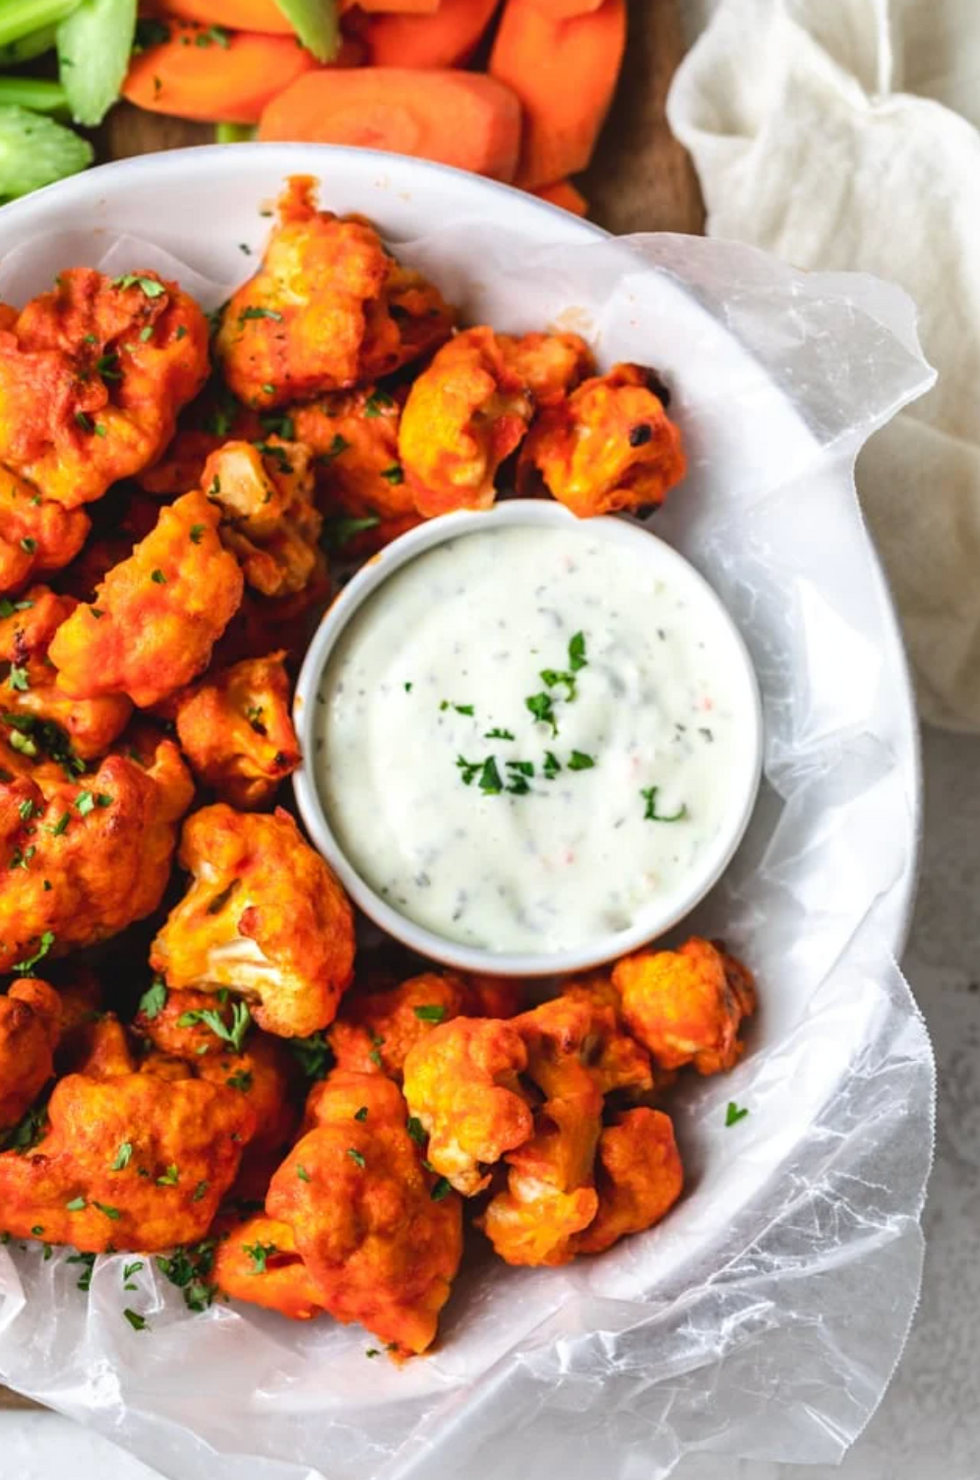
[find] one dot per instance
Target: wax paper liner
(765, 1315)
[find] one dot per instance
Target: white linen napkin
(824, 131)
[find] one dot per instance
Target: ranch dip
(527, 735)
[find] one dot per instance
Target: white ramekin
(660, 915)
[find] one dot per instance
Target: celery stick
(94, 45)
(34, 93)
(234, 133)
(19, 18)
(315, 23)
(26, 48)
(36, 151)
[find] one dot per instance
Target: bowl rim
(651, 923)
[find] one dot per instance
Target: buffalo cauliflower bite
(31, 687)
(85, 858)
(92, 376)
(549, 1197)
(99, 1048)
(609, 445)
(380, 1237)
(157, 615)
(36, 535)
(686, 1006)
(374, 1031)
(329, 307)
(30, 1023)
(129, 1161)
(461, 1082)
(550, 365)
(235, 729)
(464, 415)
(269, 519)
(578, 1040)
(258, 1262)
(639, 1177)
(264, 917)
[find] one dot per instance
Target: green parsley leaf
(146, 333)
(393, 475)
(356, 1156)
(110, 1212)
(84, 803)
(555, 676)
(123, 1157)
(340, 531)
(84, 421)
(159, 577)
(44, 946)
(313, 1054)
(170, 1177)
(196, 530)
(377, 402)
(129, 1270)
(18, 678)
(490, 782)
(259, 1254)
(576, 652)
(149, 285)
(373, 1351)
(28, 544)
(8, 607)
(543, 709)
(108, 367)
(259, 313)
(154, 999)
(181, 331)
(498, 735)
(85, 1278)
(416, 1130)
(441, 1189)
(337, 446)
(579, 761)
(734, 1114)
(649, 795)
(188, 1267)
(241, 1020)
(137, 1321)
(302, 1174)
(76, 1205)
(551, 766)
(430, 1012)
(242, 1080)
(26, 810)
(361, 1114)
(199, 1192)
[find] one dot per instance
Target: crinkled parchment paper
(765, 1315)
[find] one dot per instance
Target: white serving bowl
(661, 913)
(531, 1358)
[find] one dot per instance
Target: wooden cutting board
(640, 179)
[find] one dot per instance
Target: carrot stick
(446, 39)
(566, 10)
(229, 81)
(563, 193)
(237, 15)
(564, 73)
(458, 118)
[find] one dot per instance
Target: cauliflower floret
(30, 688)
(461, 1082)
(92, 376)
(380, 1237)
(686, 1006)
(328, 308)
(269, 520)
(85, 858)
(609, 445)
(374, 1031)
(264, 917)
(258, 1262)
(235, 729)
(550, 365)
(577, 1040)
(157, 616)
(30, 1022)
(129, 1161)
(36, 535)
(639, 1177)
(463, 416)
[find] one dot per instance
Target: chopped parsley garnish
(430, 1012)
(37, 1230)
(108, 367)
(84, 421)
(377, 402)
(241, 1019)
(551, 766)
(259, 313)
(181, 331)
(154, 999)
(28, 544)
(361, 1114)
(375, 1054)
(196, 531)
(149, 285)
(555, 676)
(44, 945)
(110, 1212)
(490, 782)
(459, 708)
(442, 1188)
(408, 688)
(302, 1173)
(26, 810)
(416, 1130)
(146, 333)
(84, 803)
(200, 1191)
(340, 531)
(579, 761)
(372, 1351)
(213, 36)
(259, 1255)
(393, 475)
(170, 1177)
(734, 1113)
(356, 1156)
(76, 1205)
(576, 652)
(313, 1055)
(28, 1131)
(137, 1321)
(188, 1267)
(278, 454)
(649, 795)
(129, 1270)
(18, 678)
(8, 607)
(337, 446)
(85, 1278)
(123, 1157)
(542, 707)
(242, 1080)
(149, 32)
(278, 423)
(159, 577)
